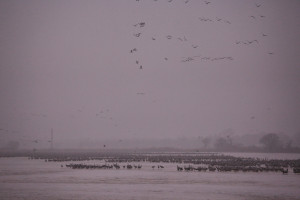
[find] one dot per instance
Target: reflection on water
(21, 178)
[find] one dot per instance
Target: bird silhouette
(258, 5)
(252, 41)
(141, 24)
(207, 2)
(205, 19)
(188, 59)
(133, 50)
(137, 34)
(141, 67)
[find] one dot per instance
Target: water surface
(21, 178)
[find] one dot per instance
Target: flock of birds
(208, 162)
(203, 19)
(139, 34)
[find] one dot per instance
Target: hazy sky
(206, 67)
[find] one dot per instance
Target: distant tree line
(269, 142)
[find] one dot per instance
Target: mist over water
(22, 178)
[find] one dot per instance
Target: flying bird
(133, 50)
(141, 67)
(141, 24)
(250, 42)
(137, 34)
(207, 2)
(258, 5)
(188, 59)
(169, 37)
(204, 19)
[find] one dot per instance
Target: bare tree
(271, 142)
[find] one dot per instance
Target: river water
(21, 178)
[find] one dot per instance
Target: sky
(114, 69)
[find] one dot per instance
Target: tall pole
(51, 138)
